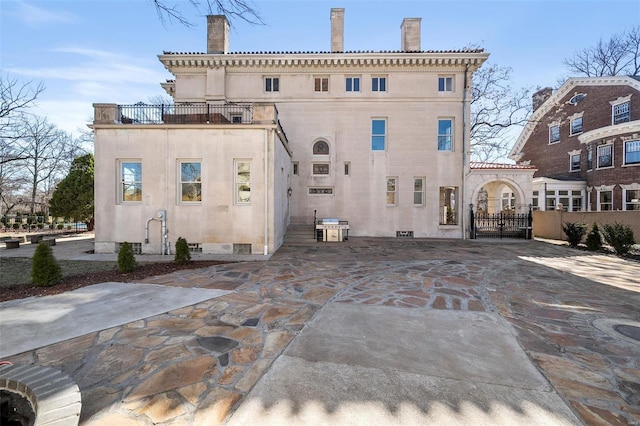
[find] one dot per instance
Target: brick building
(584, 140)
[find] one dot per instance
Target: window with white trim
(631, 199)
(590, 158)
(418, 191)
(352, 84)
(130, 180)
(272, 84)
(445, 84)
(605, 156)
(576, 201)
(574, 162)
(632, 152)
(242, 181)
(379, 84)
(554, 133)
(190, 186)
(392, 191)
(445, 134)
(576, 126)
(621, 113)
(605, 200)
(295, 168)
(321, 84)
(347, 168)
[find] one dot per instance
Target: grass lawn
(17, 270)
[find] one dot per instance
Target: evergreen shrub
(183, 255)
(45, 270)
(126, 259)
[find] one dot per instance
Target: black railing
(185, 113)
(501, 225)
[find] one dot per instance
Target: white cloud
(34, 16)
(92, 76)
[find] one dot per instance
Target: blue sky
(87, 51)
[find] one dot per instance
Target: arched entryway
(499, 198)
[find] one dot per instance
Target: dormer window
(577, 98)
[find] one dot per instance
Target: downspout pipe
(464, 151)
(266, 191)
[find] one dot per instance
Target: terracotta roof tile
(499, 166)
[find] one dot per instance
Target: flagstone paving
(193, 365)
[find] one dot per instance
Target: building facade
(378, 139)
(584, 140)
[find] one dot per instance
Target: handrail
(185, 113)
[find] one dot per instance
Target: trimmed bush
(574, 232)
(183, 255)
(45, 270)
(619, 236)
(15, 226)
(126, 259)
(594, 239)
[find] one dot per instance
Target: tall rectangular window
(378, 134)
(576, 126)
(418, 191)
(632, 152)
(575, 162)
(352, 84)
(379, 84)
(605, 156)
(321, 84)
(621, 113)
(554, 134)
(576, 201)
(445, 84)
(632, 199)
(448, 210)
(131, 180)
(605, 200)
(392, 194)
(271, 84)
(243, 182)
(190, 182)
(445, 134)
(347, 168)
(590, 158)
(295, 168)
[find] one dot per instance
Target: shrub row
(617, 235)
(45, 270)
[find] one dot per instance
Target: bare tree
(232, 9)
(498, 112)
(619, 55)
(48, 152)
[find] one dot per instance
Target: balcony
(185, 113)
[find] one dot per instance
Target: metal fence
(501, 225)
(185, 113)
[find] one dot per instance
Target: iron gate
(501, 225)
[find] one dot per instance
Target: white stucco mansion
(255, 142)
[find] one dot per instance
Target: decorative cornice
(609, 131)
(567, 87)
(325, 60)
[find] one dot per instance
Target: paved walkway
(199, 363)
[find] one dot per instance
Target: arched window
(321, 148)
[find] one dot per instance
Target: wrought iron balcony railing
(185, 113)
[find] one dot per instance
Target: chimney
(337, 30)
(410, 34)
(541, 97)
(217, 34)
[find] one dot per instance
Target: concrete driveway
(370, 331)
